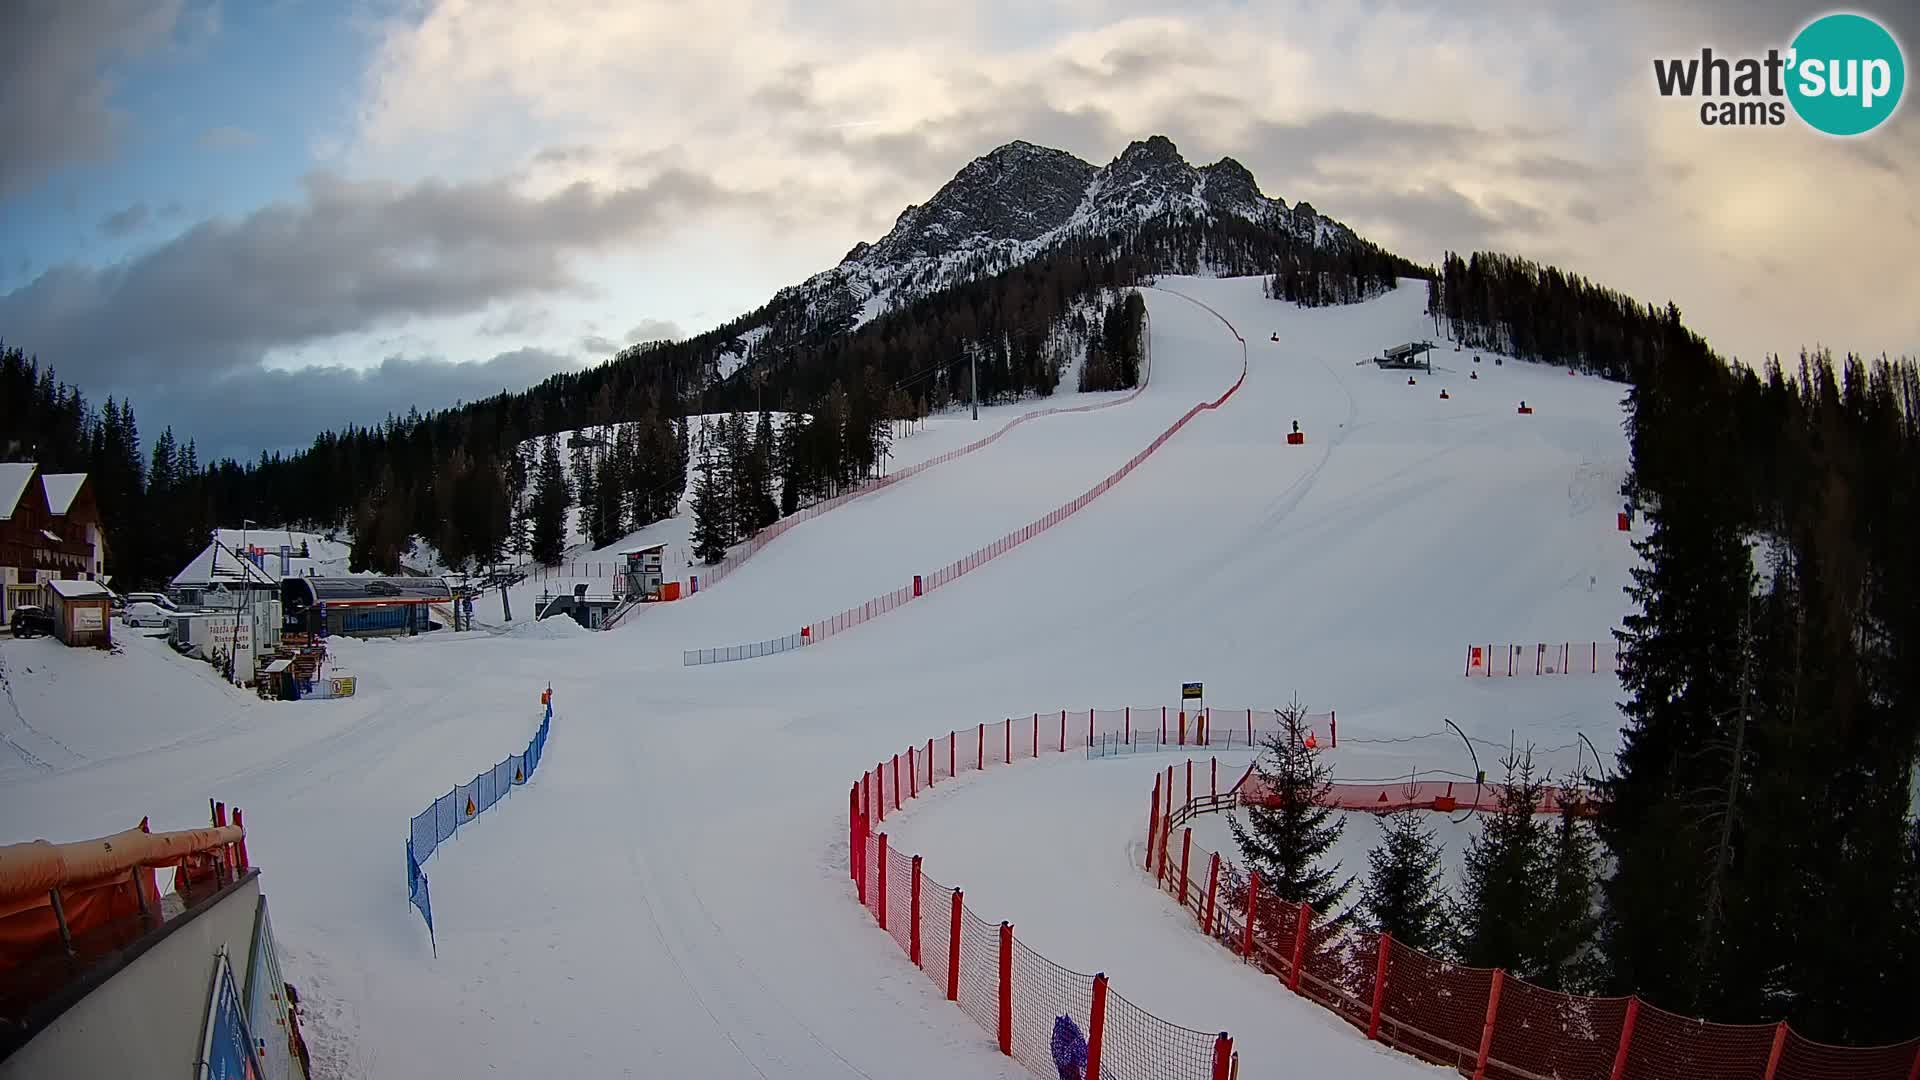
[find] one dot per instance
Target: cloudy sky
(260, 218)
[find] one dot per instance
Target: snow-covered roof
(61, 488)
(14, 477)
(77, 590)
(217, 562)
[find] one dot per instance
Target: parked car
(159, 599)
(31, 621)
(147, 613)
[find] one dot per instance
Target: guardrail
(464, 803)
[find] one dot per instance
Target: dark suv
(30, 621)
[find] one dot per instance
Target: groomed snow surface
(670, 897)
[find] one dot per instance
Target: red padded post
(1097, 1024)
(1213, 888)
(1186, 855)
(913, 776)
(1626, 1042)
(240, 845)
(1222, 1057)
(953, 949)
(1253, 911)
(1333, 725)
(896, 781)
(1486, 1032)
(882, 912)
(1009, 734)
(1153, 820)
(1063, 731)
(1006, 989)
(1299, 946)
(913, 927)
(1189, 801)
(1379, 986)
(1779, 1047)
(1127, 729)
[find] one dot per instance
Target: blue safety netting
(461, 805)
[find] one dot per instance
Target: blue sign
(228, 1051)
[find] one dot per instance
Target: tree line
(1511, 305)
(1755, 851)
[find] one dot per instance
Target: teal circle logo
(1846, 74)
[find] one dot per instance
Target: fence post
(896, 781)
(1779, 1046)
(1333, 726)
(913, 776)
(853, 832)
(1379, 986)
(1097, 1025)
(1189, 803)
(913, 927)
(1006, 988)
(952, 737)
(1127, 729)
(1253, 910)
(953, 948)
(1091, 713)
(1183, 727)
(1153, 820)
(1186, 853)
(1486, 1032)
(1249, 728)
(1222, 1056)
(1163, 725)
(1213, 780)
(1299, 946)
(980, 751)
(882, 913)
(1213, 887)
(1009, 734)
(1626, 1040)
(1036, 735)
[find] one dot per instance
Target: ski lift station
(1408, 356)
(361, 606)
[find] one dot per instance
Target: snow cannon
(1444, 395)
(1526, 409)
(1296, 437)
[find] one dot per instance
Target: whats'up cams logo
(1843, 75)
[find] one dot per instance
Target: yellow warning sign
(469, 806)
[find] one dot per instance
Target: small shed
(80, 611)
(645, 571)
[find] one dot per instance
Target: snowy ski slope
(670, 897)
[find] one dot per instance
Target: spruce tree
(1498, 917)
(1403, 894)
(710, 514)
(1568, 916)
(586, 486)
(1285, 837)
(550, 501)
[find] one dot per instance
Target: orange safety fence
(816, 632)
(1017, 996)
(1481, 1021)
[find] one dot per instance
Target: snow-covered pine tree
(1403, 894)
(1498, 919)
(1286, 840)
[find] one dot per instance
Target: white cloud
(1528, 127)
